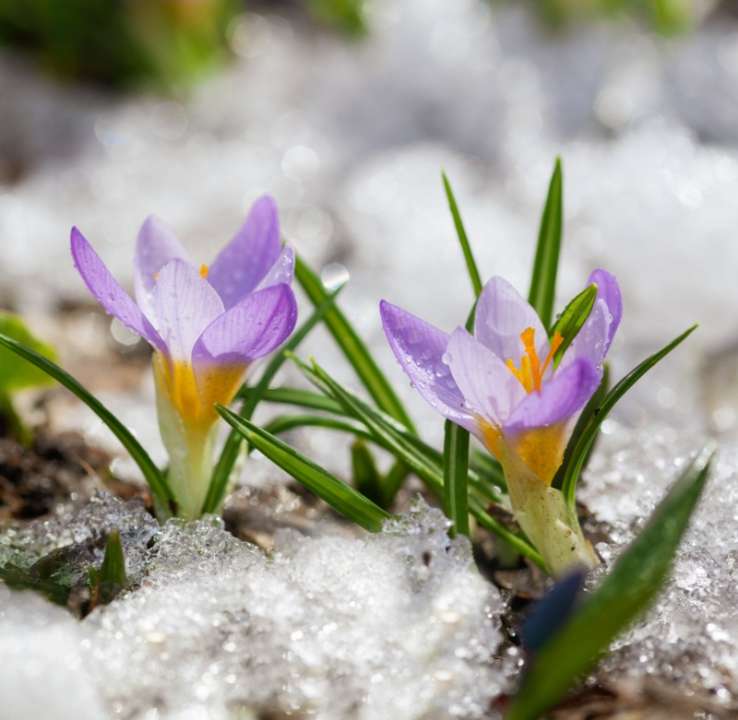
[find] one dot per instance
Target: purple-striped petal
(283, 271)
(244, 262)
(420, 348)
(108, 292)
(502, 314)
(155, 247)
(184, 304)
(488, 386)
(592, 341)
(259, 324)
(608, 290)
(559, 399)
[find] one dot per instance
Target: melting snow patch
(398, 624)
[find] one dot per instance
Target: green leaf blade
(572, 320)
(471, 265)
(626, 592)
(545, 267)
(580, 451)
(455, 474)
(341, 497)
(156, 481)
(353, 347)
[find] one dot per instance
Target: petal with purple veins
(608, 290)
(108, 292)
(283, 271)
(259, 324)
(592, 340)
(502, 314)
(486, 382)
(420, 348)
(559, 399)
(156, 246)
(244, 262)
(184, 304)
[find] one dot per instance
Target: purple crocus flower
(502, 384)
(206, 326)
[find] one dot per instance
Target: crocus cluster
(506, 385)
(206, 325)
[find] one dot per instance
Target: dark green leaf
(546, 264)
(20, 578)
(229, 453)
(341, 497)
(455, 473)
(353, 347)
(424, 461)
(299, 397)
(284, 423)
(110, 579)
(624, 594)
(471, 264)
(366, 477)
(590, 410)
(570, 321)
(154, 478)
(580, 451)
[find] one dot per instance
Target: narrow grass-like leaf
(572, 319)
(546, 264)
(158, 485)
(353, 347)
(284, 423)
(231, 447)
(455, 473)
(365, 475)
(111, 578)
(590, 410)
(471, 265)
(340, 496)
(300, 398)
(580, 451)
(425, 463)
(623, 595)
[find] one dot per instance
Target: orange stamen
(204, 270)
(530, 373)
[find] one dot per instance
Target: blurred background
(347, 111)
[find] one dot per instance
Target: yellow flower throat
(531, 371)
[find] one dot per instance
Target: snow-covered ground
(351, 141)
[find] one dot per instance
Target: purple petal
(184, 305)
(244, 262)
(259, 324)
(608, 290)
(156, 246)
(592, 340)
(559, 399)
(108, 292)
(488, 386)
(502, 314)
(283, 271)
(419, 348)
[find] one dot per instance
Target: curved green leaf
(340, 496)
(626, 592)
(154, 477)
(471, 264)
(353, 347)
(580, 451)
(545, 267)
(572, 319)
